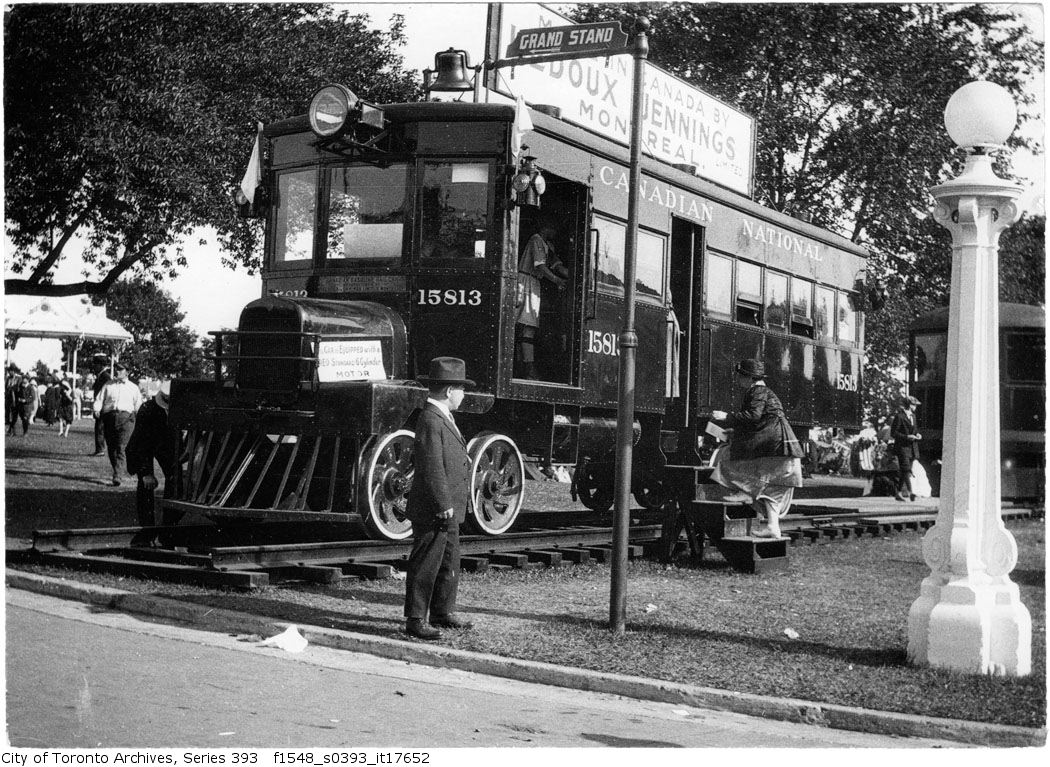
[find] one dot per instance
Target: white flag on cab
(253, 175)
(522, 125)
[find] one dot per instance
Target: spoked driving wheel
(386, 477)
(497, 474)
(593, 485)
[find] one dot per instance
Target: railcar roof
(1010, 316)
(467, 111)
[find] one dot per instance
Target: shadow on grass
(96, 480)
(27, 510)
(355, 620)
(1033, 578)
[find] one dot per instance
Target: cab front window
(366, 212)
(454, 214)
(295, 215)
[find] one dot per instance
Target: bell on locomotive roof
(451, 68)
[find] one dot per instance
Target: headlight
(330, 110)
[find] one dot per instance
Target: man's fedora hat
(450, 371)
(753, 368)
(909, 400)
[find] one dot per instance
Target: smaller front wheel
(497, 474)
(387, 470)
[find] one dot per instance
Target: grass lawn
(706, 625)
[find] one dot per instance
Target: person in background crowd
(13, 402)
(765, 457)
(41, 390)
(905, 446)
(153, 440)
(52, 401)
(865, 447)
(437, 504)
(65, 407)
(102, 377)
(116, 405)
(78, 401)
(30, 402)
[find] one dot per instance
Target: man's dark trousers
(146, 502)
(117, 425)
(433, 570)
(100, 438)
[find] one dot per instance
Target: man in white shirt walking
(117, 404)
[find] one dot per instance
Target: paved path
(81, 677)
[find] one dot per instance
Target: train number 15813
(437, 297)
(602, 343)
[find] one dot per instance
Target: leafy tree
(849, 101)
(129, 126)
(162, 346)
(1022, 262)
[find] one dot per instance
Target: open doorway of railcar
(556, 341)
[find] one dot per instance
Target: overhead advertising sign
(681, 124)
(571, 39)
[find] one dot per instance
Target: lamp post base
(970, 626)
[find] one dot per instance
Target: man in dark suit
(154, 439)
(905, 436)
(102, 377)
(437, 504)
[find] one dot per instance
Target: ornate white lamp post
(969, 616)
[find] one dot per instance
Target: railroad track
(253, 557)
(224, 563)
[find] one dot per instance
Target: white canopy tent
(74, 319)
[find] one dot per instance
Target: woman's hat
(450, 371)
(753, 368)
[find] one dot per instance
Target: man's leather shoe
(416, 628)
(451, 621)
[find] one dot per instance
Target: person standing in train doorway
(764, 454)
(538, 262)
(437, 504)
(905, 446)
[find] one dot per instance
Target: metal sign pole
(628, 345)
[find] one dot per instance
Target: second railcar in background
(1022, 395)
(397, 239)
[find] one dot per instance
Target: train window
(847, 321)
(612, 237)
(931, 357)
(649, 264)
(295, 212)
(718, 285)
(776, 300)
(1026, 410)
(748, 293)
(823, 313)
(455, 210)
(801, 307)
(649, 267)
(1025, 357)
(366, 212)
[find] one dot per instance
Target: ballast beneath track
(216, 557)
(208, 557)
